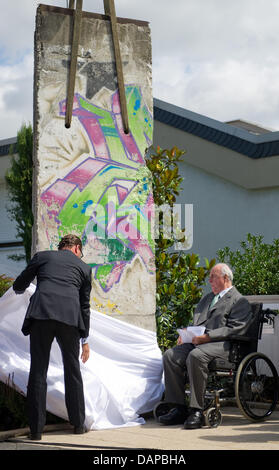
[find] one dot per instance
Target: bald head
(220, 278)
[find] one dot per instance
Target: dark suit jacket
(231, 315)
(63, 289)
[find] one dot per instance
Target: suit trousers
(42, 335)
(186, 362)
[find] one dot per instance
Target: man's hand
(85, 352)
(201, 339)
(179, 339)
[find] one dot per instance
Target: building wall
(9, 267)
(223, 212)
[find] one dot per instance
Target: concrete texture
(235, 433)
(91, 179)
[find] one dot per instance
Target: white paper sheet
(187, 334)
(122, 378)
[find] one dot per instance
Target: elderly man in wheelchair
(223, 360)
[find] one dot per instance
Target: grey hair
(226, 271)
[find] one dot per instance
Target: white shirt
(223, 292)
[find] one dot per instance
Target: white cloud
(216, 57)
(224, 91)
(16, 96)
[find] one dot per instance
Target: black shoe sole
(193, 426)
(80, 431)
(35, 437)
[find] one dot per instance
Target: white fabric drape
(122, 378)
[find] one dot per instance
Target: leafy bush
(5, 283)
(12, 407)
(255, 265)
(19, 181)
(178, 274)
(179, 288)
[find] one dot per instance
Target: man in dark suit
(59, 308)
(224, 312)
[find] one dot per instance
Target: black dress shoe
(35, 436)
(195, 419)
(174, 416)
(80, 430)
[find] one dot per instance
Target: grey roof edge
(226, 135)
(5, 145)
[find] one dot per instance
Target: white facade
(232, 193)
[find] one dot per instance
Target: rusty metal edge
(87, 14)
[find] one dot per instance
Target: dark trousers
(42, 335)
(194, 360)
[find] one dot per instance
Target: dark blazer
(231, 315)
(63, 289)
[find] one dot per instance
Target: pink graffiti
(85, 172)
(57, 194)
(127, 139)
(91, 124)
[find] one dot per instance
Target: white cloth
(122, 377)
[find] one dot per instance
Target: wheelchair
(248, 379)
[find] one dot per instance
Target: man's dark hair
(68, 241)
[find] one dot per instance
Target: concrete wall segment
(92, 179)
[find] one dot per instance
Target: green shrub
(179, 277)
(255, 265)
(12, 407)
(5, 283)
(19, 181)
(179, 288)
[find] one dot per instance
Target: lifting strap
(109, 8)
(110, 11)
(73, 64)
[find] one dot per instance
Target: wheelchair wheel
(256, 387)
(213, 417)
(162, 408)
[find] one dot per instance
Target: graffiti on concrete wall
(106, 198)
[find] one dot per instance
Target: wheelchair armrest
(244, 339)
(241, 346)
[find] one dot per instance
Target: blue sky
(216, 57)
